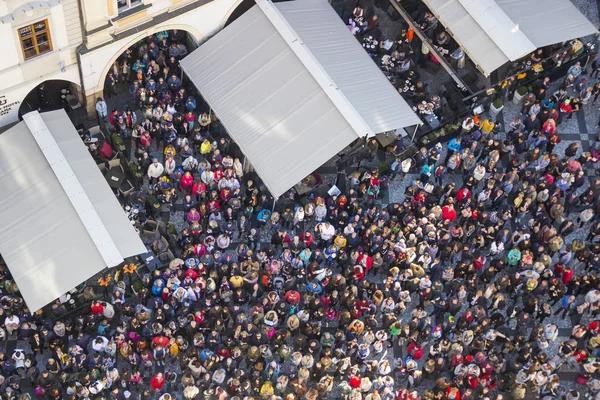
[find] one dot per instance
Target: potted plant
(137, 173)
(171, 229)
(135, 170)
(118, 143)
(520, 92)
(383, 167)
(495, 108)
(154, 201)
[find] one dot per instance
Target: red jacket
(186, 182)
(567, 276)
(98, 309)
(448, 214)
(156, 383)
(160, 340)
(308, 240)
(365, 261)
(463, 194)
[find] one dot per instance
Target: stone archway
(93, 93)
(52, 94)
(135, 39)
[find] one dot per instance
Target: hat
(155, 159)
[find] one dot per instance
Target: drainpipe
(77, 52)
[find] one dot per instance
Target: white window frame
(129, 4)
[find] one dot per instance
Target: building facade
(39, 43)
(74, 43)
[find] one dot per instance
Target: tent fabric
(480, 48)
(493, 32)
(72, 187)
(283, 121)
(293, 87)
(499, 27)
(94, 184)
(326, 36)
(554, 21)
(43, 240)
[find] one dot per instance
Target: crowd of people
(399, 61)
(454, 292)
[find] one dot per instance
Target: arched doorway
(239, 9)
(120, 95)
(52, 95)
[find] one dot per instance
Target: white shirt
(327, 231)
(155, 170)
(99, 347)
(12, 321)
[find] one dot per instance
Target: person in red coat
(307, 238)
(463, 194)
(157, 382)
(366, 261)
(567, 275)
(415, 351)
(97, 308)
(187, 181)
(449, 213)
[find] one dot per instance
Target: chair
(126, 188)
(150, 227)
(95, 131)
(115, 164)
(167, 255)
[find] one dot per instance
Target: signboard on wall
(6, 107)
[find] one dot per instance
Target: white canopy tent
(290, 101)
(493, 32)
(60, 223)
(343, 58)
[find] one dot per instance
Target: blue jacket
(190, 104)
(454, 145)
(564, 303)
(174, 84)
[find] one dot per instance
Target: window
(125, 5)
(35, 39)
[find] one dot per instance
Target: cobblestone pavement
(582, 127)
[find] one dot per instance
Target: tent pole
(412, 139)
(209, 117)
(274, 201)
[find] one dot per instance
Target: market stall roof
(289, 106)
(327, 37)
(492, 32)
(60, 223)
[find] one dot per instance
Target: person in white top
(11, 323)
(155, 170)
(327, 231)
(99, 344)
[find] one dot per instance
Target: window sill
(41, 56)
(131, 11)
